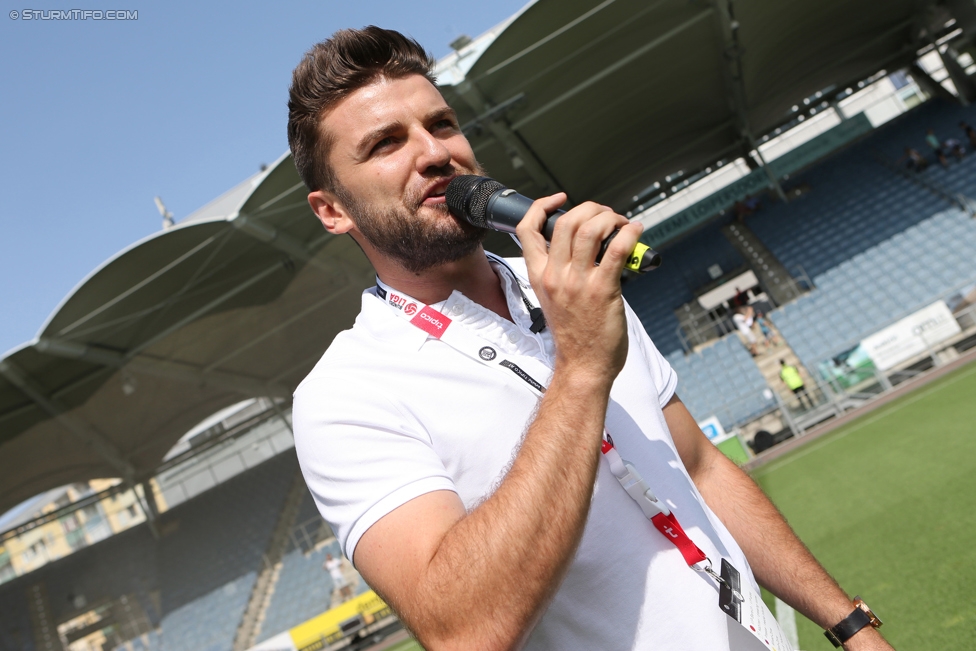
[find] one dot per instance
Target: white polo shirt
(390, 413)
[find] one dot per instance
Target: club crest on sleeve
(487, 353)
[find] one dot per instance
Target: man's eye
(385, 142)
(444, 124)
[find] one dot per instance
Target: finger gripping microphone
(486, 203)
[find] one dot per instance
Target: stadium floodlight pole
(728, 33)
(773, 181)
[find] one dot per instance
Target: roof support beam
(209, 307)
(612, 68)
(179, 371)
(280, 326)
(281, 415)
(964, 85)
(728, 29)
(88, 434)
(284, 242)
(518, 150)
(142, 283)
(929, 85)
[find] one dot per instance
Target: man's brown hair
(329, 72)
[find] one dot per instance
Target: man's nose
(433, 152)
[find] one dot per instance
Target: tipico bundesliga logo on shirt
(396, 301)
(431, 321)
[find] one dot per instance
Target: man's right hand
(582, 302)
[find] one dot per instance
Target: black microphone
(486, 203)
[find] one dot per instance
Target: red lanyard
(663, 520)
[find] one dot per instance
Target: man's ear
(330, 212)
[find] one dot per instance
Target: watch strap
(846, 629)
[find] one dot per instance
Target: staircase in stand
(257, 605)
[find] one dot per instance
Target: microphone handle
(505, 215)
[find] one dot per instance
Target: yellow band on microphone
(641, 261)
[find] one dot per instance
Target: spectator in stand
(743, 319)
(746, 207)
(954, 147)
(915, 160)
(741, 298)
(339, 582)
(769, 337)
(933, 141)
(791, 376)
(970, 133)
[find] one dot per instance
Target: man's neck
(473, 276)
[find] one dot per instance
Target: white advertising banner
(914, 335)
(280, 642)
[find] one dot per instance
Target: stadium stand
(880, 285)
(304, 589)
(193, 583)
(725, 370)
(655, 296)
(208, 622)
(877, 245)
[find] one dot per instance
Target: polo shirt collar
(378, 318)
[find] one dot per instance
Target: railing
(715, 323)
(799, 275)
(98, 515)
(909, 309)
(919, 179)
(202, 472)
(833, 400)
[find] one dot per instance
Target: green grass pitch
(888, 505)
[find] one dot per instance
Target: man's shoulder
(368, 344)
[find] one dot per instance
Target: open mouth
(435, 194)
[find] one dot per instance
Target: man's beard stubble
(417, 244)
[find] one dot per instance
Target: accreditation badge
(751, 626)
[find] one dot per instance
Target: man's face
(396, 146)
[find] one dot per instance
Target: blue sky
(98, 117)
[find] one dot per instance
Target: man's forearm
(529, 529)
(779, 560)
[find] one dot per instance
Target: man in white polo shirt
(454, 444)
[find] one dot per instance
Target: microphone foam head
(467, 198)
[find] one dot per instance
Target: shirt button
(514, 336)
(457, 310)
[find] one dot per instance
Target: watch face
(875, 620)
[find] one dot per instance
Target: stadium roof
(240, 299)
(600, 99)
(237, 301)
